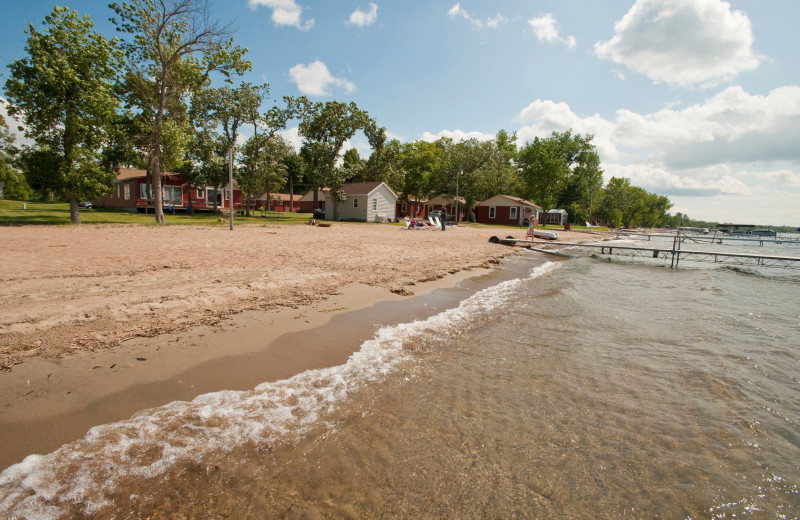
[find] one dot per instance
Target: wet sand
(99, 330)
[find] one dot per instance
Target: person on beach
(530, 227)
(443, 216)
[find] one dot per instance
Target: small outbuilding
(364, 202)
(557, 216)
(507, 210)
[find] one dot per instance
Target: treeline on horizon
(91, 105)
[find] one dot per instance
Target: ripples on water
(574, 390)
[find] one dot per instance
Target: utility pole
(458, 215)
(230, 184)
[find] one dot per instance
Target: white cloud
(546, 29)
(292, 136)
(682, 42)
(730, 145)
(14, 125)
(456, 135)
(315, 79)
(784, 177)
(285, 12)
(364, 18)
(477, 23)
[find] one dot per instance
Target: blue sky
(698, 100)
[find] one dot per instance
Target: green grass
(54, 213)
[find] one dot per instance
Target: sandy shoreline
(98, 322)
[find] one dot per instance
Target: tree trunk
(158, 200)
(74, 211)
(155, 156)
(291, 194)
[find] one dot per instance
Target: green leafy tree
(376, 135)
(475, 170)
(353, 168)
(265, 131)
(173, 49)
(8, 174)
(63, 93)
(562, 170)
(419, 161)
(295, 172)
(230, 108)
(325, 128)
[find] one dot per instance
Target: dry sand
(94, 318)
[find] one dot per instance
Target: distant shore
(89, 312)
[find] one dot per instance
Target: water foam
(150, 443)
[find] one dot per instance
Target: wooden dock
(716, 238)
(675, 255)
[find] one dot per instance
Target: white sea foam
(147, 445)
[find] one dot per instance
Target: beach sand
(98, 322)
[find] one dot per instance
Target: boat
(541, 233)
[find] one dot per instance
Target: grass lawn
(53, 213)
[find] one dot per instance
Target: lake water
(547, 389)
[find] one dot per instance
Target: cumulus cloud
(15, 127)
(292, 136)
(682, 42)
(546, 29)
(285, 12)
(364, 18)
(315, 79)
(731, 144)
(456, 135)
(492, 22)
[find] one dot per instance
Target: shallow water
(568, 389)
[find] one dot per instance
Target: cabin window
(127, 190)
(119, 195)
(212, 195)
(143, 189)
(374, 204)
(199, 194)
(430, 208)
(355, 202)
(172, 194)
(492, 211)
(513, 213)
(404, 207)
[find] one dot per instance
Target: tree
(325, 128)
(562, 170)
(230, 108)
(63, 92)
(419, 160)
(274, 120)
(8, 174)
(295, 171)
(353, 168)
(377, 139)
(475, 170)
(166, 34)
